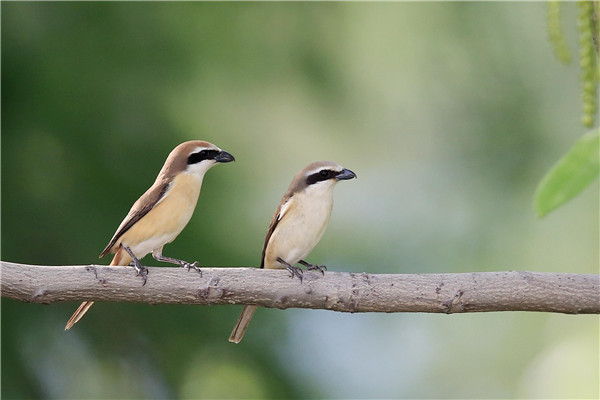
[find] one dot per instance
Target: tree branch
(338, 291)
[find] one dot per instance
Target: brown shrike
(297, 225)
(160, 215)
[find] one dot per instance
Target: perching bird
(297, 225)
(160, 215)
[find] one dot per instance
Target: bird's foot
(157, 254)
(312, 267)
(295, 271)
(143, 271)
(194, 265)
(320, 268)
(139, 268)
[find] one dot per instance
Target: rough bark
(338, 291)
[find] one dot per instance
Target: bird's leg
(157, 254)
(310, 266)
(295, 271)
(140, 269)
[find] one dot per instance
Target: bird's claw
(295, 271)
(141, 271)
(312, 267)
(320, 268)
(194, 265)
(139, 268)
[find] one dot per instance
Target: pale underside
(164, 222)
(303, 219)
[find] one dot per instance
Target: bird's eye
(203, 154)
(324, 173)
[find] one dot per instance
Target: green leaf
(573, 172)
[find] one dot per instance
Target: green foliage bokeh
(449, 113)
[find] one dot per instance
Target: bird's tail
(83, 308)
(120, 258)
(240, 327)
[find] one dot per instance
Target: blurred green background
(449, 113)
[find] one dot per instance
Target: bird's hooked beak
(345, 174)
(224, 157)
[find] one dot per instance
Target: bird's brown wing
(139, 209)
(281, 209)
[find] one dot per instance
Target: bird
(162, 212)
(297, 225)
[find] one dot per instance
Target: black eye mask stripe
(320, 176)
(202, 155)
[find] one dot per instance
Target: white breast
(302, 226)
